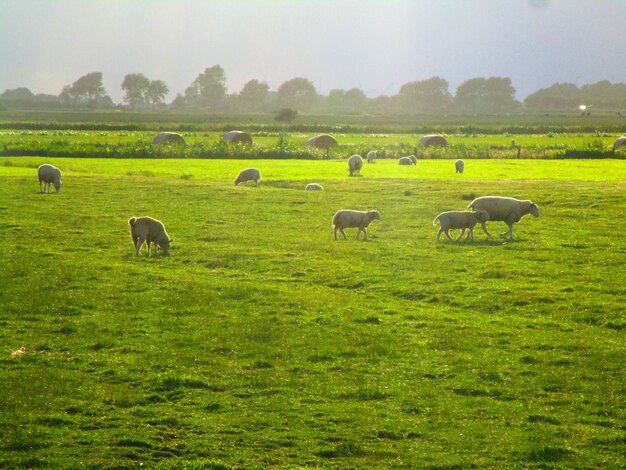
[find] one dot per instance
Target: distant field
(290, 145)
(261, 342)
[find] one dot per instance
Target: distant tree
(470, 95)
(286, 115)
(559, 96)
(253, 95)
(486, 95)
(66, 95)
(335, 99)
(17, 94)
(297, 93)
(354, 100)
(208, 90)
(136, 87)
(426, 96)
(604, 94)
(179, 102)
(88, 90)
(384, 104)
(155, 94)
(500, 95)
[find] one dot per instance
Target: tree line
(208, 93)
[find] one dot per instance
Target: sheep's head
(166, 246)
(373, 215)
(57, 185)
(483, 216)
(534, 210)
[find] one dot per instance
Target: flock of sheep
(487, 208)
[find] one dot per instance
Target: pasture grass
(284, 144)
(261, 342)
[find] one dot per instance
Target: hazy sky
(375, 45)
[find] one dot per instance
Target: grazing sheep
(413, 158)
(460, 219)
(313, 187)
(149, 230)
(459, 166)
(506, 209)
(49, 174)
(405, 161)
(348, 218)
(249, 174)
(371, 156)
(355, 163)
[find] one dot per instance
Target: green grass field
(210, 145)
(261, 342)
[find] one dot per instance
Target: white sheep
(506, 209)
(249, 174)
(405, 161)
(149, 230)
(355, 163)
(459, 166)
(348, 218)
(49, 174)
(313, 187)
(464, 220)
(371, 156)
(413, 158)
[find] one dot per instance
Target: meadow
(261, 342)
(289, 144)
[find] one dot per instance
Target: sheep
(149, 230)
(49, 174)
(348, 218)
(459, 166)
(355, 163)
(460, 219)
(371, 156)
(413, 158)
(405, 161)
(313, 187)
(249, 174)
(506, 209)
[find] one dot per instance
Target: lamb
(249, 174)
(459, 166)
(348, 218)
(49, 174)
(313, 187)
(355, 163)
(413, 158)
(371, 156)
(465, 220)
(405, 161)
(149, 230)
(506, 209)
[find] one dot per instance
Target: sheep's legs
(342, 233)
(439, 232)
(40, 187)
(364, 233)
(462, 233)
(138, 246)
(484, 226)
(508, 232)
